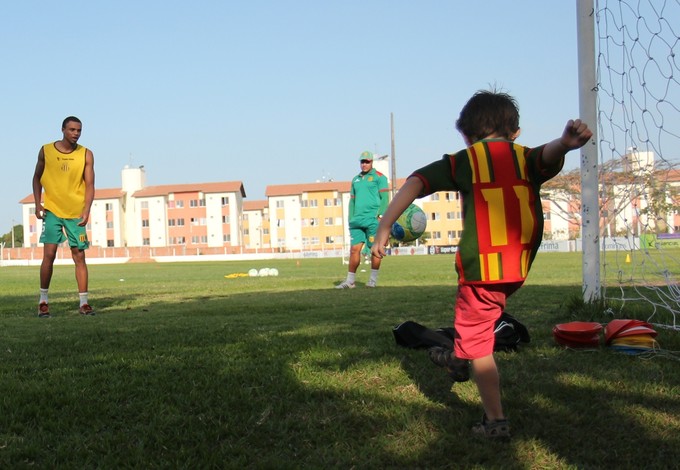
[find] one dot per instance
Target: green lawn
(185, 368)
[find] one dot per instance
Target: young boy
(499, 182)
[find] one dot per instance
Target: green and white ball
(410, 225)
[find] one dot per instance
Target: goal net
(638, 113)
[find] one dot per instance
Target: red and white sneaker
(85, 309)
(43, 310)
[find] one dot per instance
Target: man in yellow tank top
(65, 171)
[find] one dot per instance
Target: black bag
(509, 332)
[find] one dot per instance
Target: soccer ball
(410, 225)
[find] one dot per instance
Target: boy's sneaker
(43, 310)
(85, 309)
(371, 283)
(345, 285)
(458, 369)
(498, 429)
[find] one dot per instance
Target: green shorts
(364, 232)
(53, 232)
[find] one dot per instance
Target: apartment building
(256, 225)
(308, 216)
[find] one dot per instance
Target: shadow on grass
(313, 379)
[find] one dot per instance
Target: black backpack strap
(410, 334)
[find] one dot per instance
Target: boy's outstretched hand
(576, 134)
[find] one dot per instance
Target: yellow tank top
(62, 181)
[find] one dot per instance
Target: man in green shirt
(368, 199)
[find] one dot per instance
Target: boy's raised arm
(575, 135)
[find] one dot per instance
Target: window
(171, 222)
(435, 197)
(328, 202)
(279, 204)
(225, 201)
(246, 231)
(146, 241)
(144, 204)
(193, 203)
(328, 221)
(109, 243)
(226, 238)
(329, 239)
(109, 224)
(434, 216)
(436, 235)
(109, 206)
(225, 219)
(313, 203)
(265, 231)
(171, 204)
(145, 222)
(179, 204)
(180, 222)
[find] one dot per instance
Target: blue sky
(271, 92)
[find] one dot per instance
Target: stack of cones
(630, 336)
(578, 334)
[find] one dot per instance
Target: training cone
(630, 336)
(578, 334)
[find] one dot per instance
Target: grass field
(184, 368)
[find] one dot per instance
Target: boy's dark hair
(69, 119)
(487, 113)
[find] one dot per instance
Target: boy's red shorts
(477, 309)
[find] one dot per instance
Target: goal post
(629, 90)
(590, 205)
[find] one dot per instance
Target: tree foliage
(6, 239)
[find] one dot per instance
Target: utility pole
(393, 162)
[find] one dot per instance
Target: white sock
(350, 277)
(83, 298)
(43, 295)
(374, 275)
